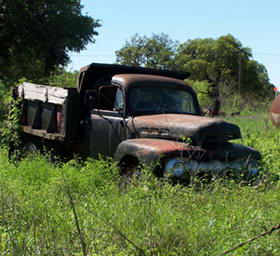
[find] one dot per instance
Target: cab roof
(131, 80)
(96, 73)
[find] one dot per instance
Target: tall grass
(152, 218)
(78, 208)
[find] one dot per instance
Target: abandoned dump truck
(135, 115)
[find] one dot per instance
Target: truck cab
(128, 97)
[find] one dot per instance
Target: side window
(111, 98)
(119, 100)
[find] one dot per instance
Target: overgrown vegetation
(78, 208)
(3, 96)
(10, 130)
(62, 78)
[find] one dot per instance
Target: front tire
(128, 172)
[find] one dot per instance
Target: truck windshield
(161, 100)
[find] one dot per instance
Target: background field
(78, 208)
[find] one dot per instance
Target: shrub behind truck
(135, 115)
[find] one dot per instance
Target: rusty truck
(134, 115)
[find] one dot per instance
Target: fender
(148, 149)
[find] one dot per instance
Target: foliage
(6, 98)
(37, 217)
(156, 51)
(10, 136)
(221, 62)
(234, 104)
(62, 78)
(37, 36)
(223, 65)
(202, 90)
(3, 93)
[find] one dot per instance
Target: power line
(112, 55)
(91, 55)
(268, 54)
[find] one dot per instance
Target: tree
(38, 35)
(157, 51)
(220, 66)
(223, 62)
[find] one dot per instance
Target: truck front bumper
(184, 168)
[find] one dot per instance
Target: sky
(256, 23)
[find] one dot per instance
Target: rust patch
(178, 126)
(162, 145)
(147, 148)
(275, 111)
(166, 119)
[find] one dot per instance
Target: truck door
(107, 124)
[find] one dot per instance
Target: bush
(4, 97)
(62, 78)
(202, 90)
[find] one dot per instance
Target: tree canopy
(221, 64)
(37, 35)
(157, 51)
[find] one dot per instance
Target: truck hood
(179, 126)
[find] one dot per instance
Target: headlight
(254, 172)
(175, 167)
(253, 168)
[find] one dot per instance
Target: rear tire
(30, 147)
(21, 149)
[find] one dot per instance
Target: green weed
(78, 208)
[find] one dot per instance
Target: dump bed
(50, 112)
